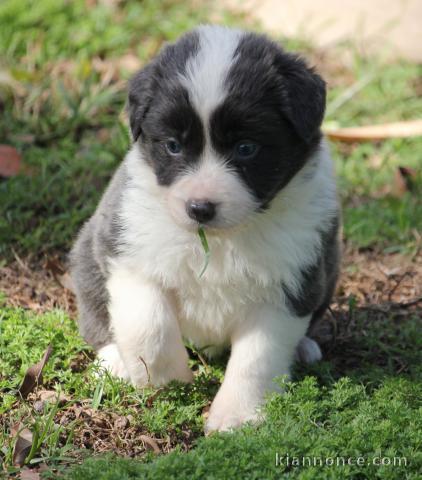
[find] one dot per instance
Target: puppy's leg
(263, 347)
(146, 330)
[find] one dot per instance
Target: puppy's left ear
(141, 90)
(303, 92)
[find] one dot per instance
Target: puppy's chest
(242, 272)
(210, 307)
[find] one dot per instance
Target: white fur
(109, 358)
(263, 344)
(145, 329)
(205, 72)
(214, 182)
(262, 251)
(157, 297)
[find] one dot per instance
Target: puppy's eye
(173, 147)
(246, 149)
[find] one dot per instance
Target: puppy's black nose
(200, 210)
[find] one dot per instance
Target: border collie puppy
(226, 135)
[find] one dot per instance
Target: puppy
(226, 135)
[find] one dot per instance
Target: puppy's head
(225, 119)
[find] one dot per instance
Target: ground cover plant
(63, 68)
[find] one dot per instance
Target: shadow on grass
(368, 344)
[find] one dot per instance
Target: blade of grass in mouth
(204, 243)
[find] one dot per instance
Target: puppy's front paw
(182, 373)
(227, 413)
(109, 358)
(160, 374)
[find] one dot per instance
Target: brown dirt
(372, 278)
(376, 278)
(373, 289)
(104, 431)
(37, 286)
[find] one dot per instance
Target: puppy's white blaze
(206, 71)
(215, 182)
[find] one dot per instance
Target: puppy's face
(225, 119)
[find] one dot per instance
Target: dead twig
(146, 368)
(385, 307)
(392, 290)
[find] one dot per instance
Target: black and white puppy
(226, 130)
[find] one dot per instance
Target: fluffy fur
(195, 111)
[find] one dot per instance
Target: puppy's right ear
(141, 89)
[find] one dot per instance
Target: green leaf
(205, 246)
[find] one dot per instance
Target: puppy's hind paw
(308, 351)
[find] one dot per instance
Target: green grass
(373, 216)
(63, 111)
(361, 408)
(24, 337)
(307, 421)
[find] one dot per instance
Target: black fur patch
(172, 116)
(159, 109)
(89, 282)
(275, 100)
(318, 281)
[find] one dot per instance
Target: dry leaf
(28, 474)
(54, 265)
(150, 442)
(66, 281)
(52, 396)
(151, 399)
(33, 376)
(10, 161)
(121, 422)
(32, 283)
(63, 278)
(23, 443)
(206, 411)
(410, 128)
(403, 181)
